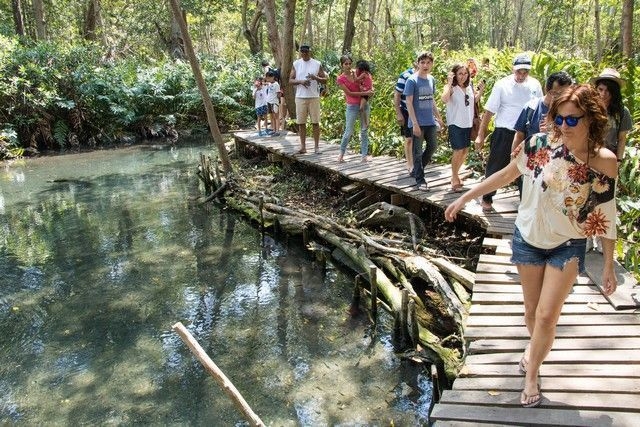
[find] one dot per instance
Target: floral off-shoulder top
(562, 197)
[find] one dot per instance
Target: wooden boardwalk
(592, 375)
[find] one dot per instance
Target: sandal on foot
(456, 188)
(522, 366)
(302, 151)
(527, 403)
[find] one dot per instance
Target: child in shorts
(260, 97)
(273, 102)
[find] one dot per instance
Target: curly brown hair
(586, 98)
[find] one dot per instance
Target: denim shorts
(459, 138)
(524, 253)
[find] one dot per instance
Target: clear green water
(95, 269)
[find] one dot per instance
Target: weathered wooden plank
(494, 259)
(585, 401)
(628, 293)
(605, 356)
(510, 275)
(548, 384)
(565, 319)
(532, 416)
(561, 331)
(601, 307)
(551, 370)
(515, 288)
(498, 345)
(509, 298)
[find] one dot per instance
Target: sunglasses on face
(571, 121)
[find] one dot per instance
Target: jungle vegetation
(89, 73)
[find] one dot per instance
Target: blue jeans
(423, 158)
(353, 113)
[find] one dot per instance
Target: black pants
(499, 155)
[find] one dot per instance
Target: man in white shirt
(507, 99)
(306, 73)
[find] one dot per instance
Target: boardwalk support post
(373, 275)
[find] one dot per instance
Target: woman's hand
(450, 77)
(452, 210)
(609, 281)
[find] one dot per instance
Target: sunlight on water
(102, 252)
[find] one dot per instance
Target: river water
(101, 252)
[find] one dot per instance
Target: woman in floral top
(568, 194)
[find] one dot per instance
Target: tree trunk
(371, 33)
(389, 24)
(251, 31)
(517, 26)
(306, 31)
(598, 33)
(627, 28)
(38, 14)
(327, 41)
(349, 27)
(175, 44)
(287, 55)
(204, 92)
(16, 7)
(273, 34)
(92, 20)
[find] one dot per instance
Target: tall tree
(627, 28)
(287, 54)
(38, 14)
(273, 33)
(251, 28)
(92, 20)
(598, 31)
(16, 7)
(349, 27)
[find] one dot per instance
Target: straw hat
(608, 74)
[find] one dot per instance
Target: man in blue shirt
(419, 91)
(533, 118)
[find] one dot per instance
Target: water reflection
(101, 252)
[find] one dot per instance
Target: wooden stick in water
(218, 375)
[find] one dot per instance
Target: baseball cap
(305, 47)
(522, 62)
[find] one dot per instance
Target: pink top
(366, 83)
(352, 86)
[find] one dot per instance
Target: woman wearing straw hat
(609, 85)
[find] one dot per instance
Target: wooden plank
(602, 307)
(604, 356)
(509, 298)
(585, 401)
(562, 331)
(532, 416)
(551, 370)
(627, 295)
(568, 319)
(515, 288)
(518, 345)
(549, 384)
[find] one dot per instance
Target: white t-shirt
(259, 96)
(272, 93)
(303, 68)
(562, 197)
(459, 113)
(508, 98)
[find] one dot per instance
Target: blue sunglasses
(571, 121)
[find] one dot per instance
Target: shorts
(307, 107)
(261, 111)
(273, 108)
(406, 131)
(524, 253)
(459, 138)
